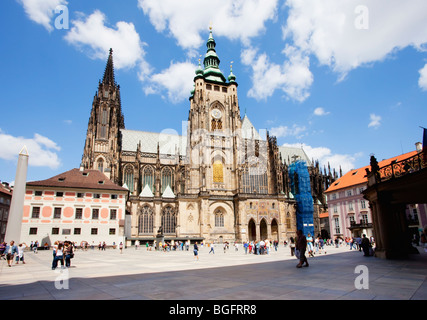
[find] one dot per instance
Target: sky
(341, 79)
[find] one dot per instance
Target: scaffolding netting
(301, 189)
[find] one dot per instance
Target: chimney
(419, 146)
(82, 168)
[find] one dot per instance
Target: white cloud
(185, 20)
(345, 35)
(375, 121)
(42, 11)
(325, 156)
(422, 81)
(285, 131)
(320, 112)
(292, 77)
(42, 150)
(93, 32)
(177, 80)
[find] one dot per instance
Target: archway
(252, 230)
(274, 230)
(263, 229)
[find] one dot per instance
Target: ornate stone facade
(222, 181)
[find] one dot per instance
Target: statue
(160, 231)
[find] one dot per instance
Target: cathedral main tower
(103, 138)
(213, 124)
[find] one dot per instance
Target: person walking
(69, 254)
(196, 251)
(58, 255)
(35, 247)
(2, 250)
(121, 247)
(301, 245)
(310, 245)
(245, 246)
(292, 246)
(212, 249)
(10, 251)
(366, 245)
(20, 256)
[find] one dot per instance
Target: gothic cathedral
(222, 181)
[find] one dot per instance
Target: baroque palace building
(221, 181)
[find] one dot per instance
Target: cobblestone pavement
(149, 275)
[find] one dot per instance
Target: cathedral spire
(109, 70)
(211, 62)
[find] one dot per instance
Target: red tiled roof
(87, 179)
(358, 176)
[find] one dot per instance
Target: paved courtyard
(144, 275)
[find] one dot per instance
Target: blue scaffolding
(301, 189)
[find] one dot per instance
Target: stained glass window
(168, 220)
(167, 179)
(219, 218)
(218, 172)
(145, 220)
(129, 178)
(148, 178)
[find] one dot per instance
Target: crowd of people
(299, 246)
(12, 251)
(63, 252)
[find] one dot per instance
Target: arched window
(101, 165)
(148, 178)
(219, 218)
(167, 179)
(288, 221)
(129, 178)
(218, 172)
(145, 220)
(168, 220)
(104, 123)
(216, 124)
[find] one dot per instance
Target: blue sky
(341, 79)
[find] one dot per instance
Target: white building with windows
(77, 205)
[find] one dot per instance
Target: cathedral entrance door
(252, 230)
(263, 229)
(274, 230)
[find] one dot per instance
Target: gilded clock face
(216, 113)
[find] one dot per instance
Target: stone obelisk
(14, 223)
